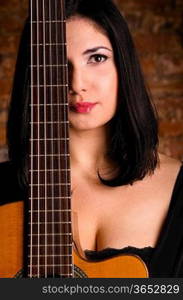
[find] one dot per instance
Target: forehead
(84, 33)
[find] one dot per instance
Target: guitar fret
(49, 210)
(50, 104)
(48, 66)
(41, 223)
(47, 85)
(50, 184)
(51, 255)
(49, 155)
(50, 233)
(50, 122)
(55, 139)
(47, 21)
(40, 198)
(63, 222)
(49, 170)
(50, 245)
(52, 265)
(50, 44)
(62, 274)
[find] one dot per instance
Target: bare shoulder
(163, 179)
(169, 165)
(167, 171)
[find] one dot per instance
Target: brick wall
(157, 29)
(12, 14)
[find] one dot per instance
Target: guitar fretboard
(49, 234)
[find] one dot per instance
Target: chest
(117, 217)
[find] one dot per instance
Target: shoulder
(169, 162)
(169, 167)
(160, 185)
(169, 174)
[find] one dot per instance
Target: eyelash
(104, 57)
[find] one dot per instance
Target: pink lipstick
(82, 107)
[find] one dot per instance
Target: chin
(82, 128)
(85, 126)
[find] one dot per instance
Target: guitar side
(120, 266)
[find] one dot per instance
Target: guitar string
(34, 14)
(59, 129)
(58, 132)
(58, 115)
(38, 146)
(63, 132)
(65, 135)
(45, 133)
(52, 175)
(31, 150)
(38, 143)
(66, 144)
(68, 212)
(56, 148)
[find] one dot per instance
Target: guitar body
(11, 239)
(11, 252)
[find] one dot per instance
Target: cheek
(109, 87)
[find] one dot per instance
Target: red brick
(170, 129)
(142, 4)
(148, 63)
(7, 68)
(2, 135)
(170, 65)
(165, 89)
(3, 116)
(170, 109)
(172, 146)
(158, 43)
(5, 86)
(9, 44)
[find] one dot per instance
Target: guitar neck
(49, 249)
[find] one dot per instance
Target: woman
(127, 198)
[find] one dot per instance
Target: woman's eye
(97, 58)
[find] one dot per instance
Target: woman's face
(93, 80)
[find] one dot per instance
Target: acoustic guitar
(36, 234)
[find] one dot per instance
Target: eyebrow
(92, 50)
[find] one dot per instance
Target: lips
(82, 107)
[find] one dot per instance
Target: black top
(165, 260)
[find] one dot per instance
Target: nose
(77, 83)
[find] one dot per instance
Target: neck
(88, 149)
